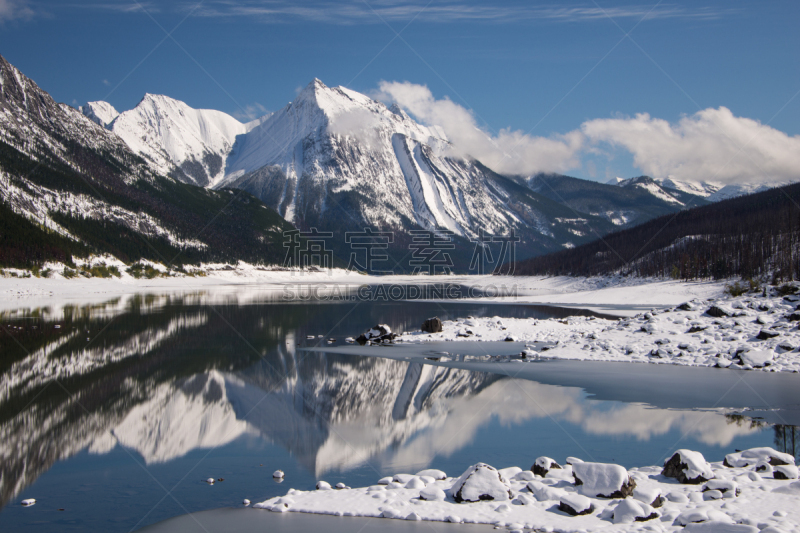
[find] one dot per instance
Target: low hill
(748, 236)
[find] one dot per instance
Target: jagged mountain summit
(101, 113)
(69, 186)
(172, 134)
(335, 158)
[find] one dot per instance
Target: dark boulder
(432, 325)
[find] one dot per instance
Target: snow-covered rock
(575, 504)
(481, 482)
(542, 465)
(753, 456)
(601, 480)
(785, 472)
(628, 511)
(688, 467)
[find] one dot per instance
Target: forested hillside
(749, 236)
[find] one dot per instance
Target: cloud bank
(14, 9)
(710, 145)
(509, 152)
(447, 11)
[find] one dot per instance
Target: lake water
(112, 415)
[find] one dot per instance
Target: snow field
(747, 332)
(735, 499)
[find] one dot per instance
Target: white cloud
(511, 152)
(446, 11)
(711, 145)
(14, 9)
(359, 123)
(250, 112)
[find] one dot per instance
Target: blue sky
(544, 69)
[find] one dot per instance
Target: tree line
(749, 236)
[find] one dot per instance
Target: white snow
(101, 113)
(599, 478)
(754, 456)
(667, 336)
(762, 502)
(169, 132)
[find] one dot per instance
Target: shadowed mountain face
(630, 203)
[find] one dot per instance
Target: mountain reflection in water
(168, 375)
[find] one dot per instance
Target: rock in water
(278, 474)
(688, 467)
(600, 480)
(432, 325)
(481, 482)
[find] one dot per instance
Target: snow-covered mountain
(335, 158)
(741, 189)
(172, 134)
(71, 187)
(101, 113)
(703, 188)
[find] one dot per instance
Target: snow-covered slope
(742, 189)
(703, 188)
(101, 113)
(334, 157)
(169, 132)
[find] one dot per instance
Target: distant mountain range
(72, 187)
(333, 159)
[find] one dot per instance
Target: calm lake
(114, 415)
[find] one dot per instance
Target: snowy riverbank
(245, 282)
(752, 331)
(746, 493)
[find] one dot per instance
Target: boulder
(754, 456)
(481, 482)
(629, 511)
(601, 480)
(727, 488)
(688, 467)
(575, 504)
(650, 496)
(542, 465)
(379, 334)
(765, 335)
(785, 472)
(432, 325)
(755, 358)
(718, 311)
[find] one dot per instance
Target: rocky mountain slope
(69, 186)
(624, 206)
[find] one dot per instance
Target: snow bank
(750, 500)
(683, 335)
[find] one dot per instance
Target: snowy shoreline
(751, 491)
(611, 295)
(753, 331)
